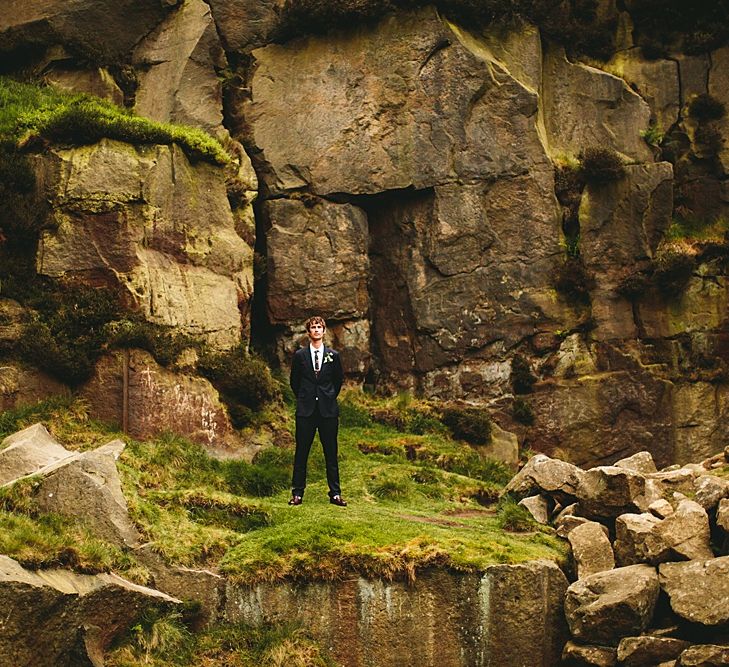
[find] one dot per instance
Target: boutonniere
(327, 358)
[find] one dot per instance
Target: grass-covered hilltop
(419, 499)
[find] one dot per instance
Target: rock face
(510, 615)
(152, 226)
(441, 131)
(54, 618)
(178, 63)
(158, 400)
(608, 605)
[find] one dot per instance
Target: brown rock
(589, 656)
(330, 240)
(246, 24)
(591, 549)
(661, 508)
(719, 88)
(608, 491)
(153, 226)
(96, 81)
(86, 486)
(410, 102)
(56, 618)
(106, 28)
(542, 474)
(23, 385)
(641, 462)
(635, 540)
(698, 590)
(705, 655)
(621, 224)
(648, 650)
(159, 400)
(27, 451)
(609, 605)
(603, 417)
(585, 107)
(657, 82)
(177, 70)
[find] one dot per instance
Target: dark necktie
(316, 362)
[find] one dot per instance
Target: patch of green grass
(47, 540)
(163, 640)
(415, 501)
(513, 517)
(30, 113)
(697, 229)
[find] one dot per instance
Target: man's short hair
(315, 320)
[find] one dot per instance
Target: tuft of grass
(30, 113)
(654, 135)
(705, 107)
(522, 411)
(522, 378)
(244, 382)
(601, 165)
(468, 423)
(513, 517)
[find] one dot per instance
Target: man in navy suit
(316, 379)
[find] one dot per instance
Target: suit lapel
(308, 362)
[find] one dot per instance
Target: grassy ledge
(31, 113)
(416, 501)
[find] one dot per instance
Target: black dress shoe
(296, 500)
(338, 500)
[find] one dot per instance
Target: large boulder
(657, 81)
(56, 618)
(602, 417)
(26, 451)
(24, 385)
(640, 462)
(177, 62)
(151, 225)
(606, 606)
(412, 102)
(246, 24)
(698, 591)
(608, 491)
(457, 275)
(159, 400)
(644, 538)
(542, 474)
(86, 486)
(507, 615)
(649, 650)
(710, 490)
(591, 549)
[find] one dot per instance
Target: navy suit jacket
(308, 388)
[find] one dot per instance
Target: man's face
(316, 331)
